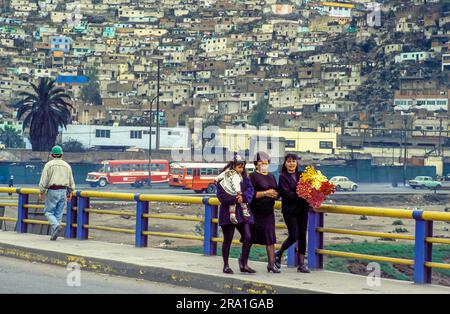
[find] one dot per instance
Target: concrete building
(102, 136)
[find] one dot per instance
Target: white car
(343, 183)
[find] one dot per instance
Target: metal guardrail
(78, 212)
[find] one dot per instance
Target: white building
(337, 9)
(99, 136)
(428, 102)
(413, 56)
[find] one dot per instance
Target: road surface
(18, 276)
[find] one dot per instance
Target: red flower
(314, 197)
(327, 188)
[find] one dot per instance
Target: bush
(401, 230)
(363, 217)
(73, 146)
(397, 223)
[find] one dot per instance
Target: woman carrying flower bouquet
(294, 210)
(262, 207)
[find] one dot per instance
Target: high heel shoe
(227, 270)
(277, 260)
(273, 269)
(303, 269)
(246, 268)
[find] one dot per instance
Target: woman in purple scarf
(243, 223)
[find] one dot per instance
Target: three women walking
(256, 222)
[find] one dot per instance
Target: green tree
(11, 137)
(259, 113)
(73, 146)
(44, 112)
(90, 93)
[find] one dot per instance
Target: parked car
(422, 182)
(343, 183)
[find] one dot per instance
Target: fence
(78, 212)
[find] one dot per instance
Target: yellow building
(238, 139)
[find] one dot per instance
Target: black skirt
(263, 230)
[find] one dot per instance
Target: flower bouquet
(314, 187)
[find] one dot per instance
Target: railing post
(292, 256)
(210, 228)
(71, 218)
(422, 249)
(315, 239)
(141, 222)
(22, 212)
(82, 217)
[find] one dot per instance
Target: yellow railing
(78, 211)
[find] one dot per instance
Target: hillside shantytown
(336, 78)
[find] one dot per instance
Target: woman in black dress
(262, 206)
(243, 225)
(295, 212)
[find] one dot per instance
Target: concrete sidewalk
(192, 270)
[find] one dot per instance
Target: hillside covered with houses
(351, 68)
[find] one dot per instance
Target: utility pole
(157, 107)
(405, 157)
(150, 144)
(440, 136)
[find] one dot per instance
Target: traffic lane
(19, 276)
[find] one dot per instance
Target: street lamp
(150, 143)
(405, 157)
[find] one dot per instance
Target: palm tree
(11, 137)
(44, 112)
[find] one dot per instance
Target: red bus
(134, 172)
(200, 176)
(180, 173)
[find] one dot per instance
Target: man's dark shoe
(58, 231)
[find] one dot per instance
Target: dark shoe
(246, 268)
(273, 269)
(303, 269)
(227, 270)
(278, 260)
(58, 231)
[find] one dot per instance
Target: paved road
(18, 276)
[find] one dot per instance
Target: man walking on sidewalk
(57, 182)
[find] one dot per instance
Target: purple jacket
(226, 200)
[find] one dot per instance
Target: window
(135, 134)
(289, 143)
(135, 167)
(159, 167)
(103, 133)
(203, 172)
(126, 167)
(325, 145)
(189, 171)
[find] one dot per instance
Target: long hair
(233, 164)
(290, 156)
